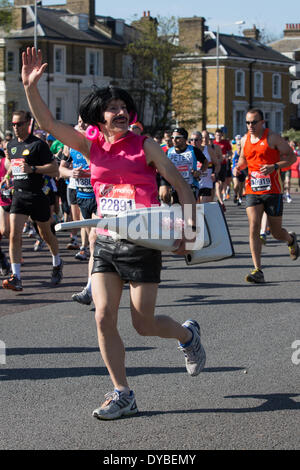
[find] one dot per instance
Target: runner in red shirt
(264, 153)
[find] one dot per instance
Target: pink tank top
(5, 202)
(121, 178)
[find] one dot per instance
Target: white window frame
(275, 94)
(62, 70)
(99, 62)
(241, 91)
(15, 59)
(258, 84)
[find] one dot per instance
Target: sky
(267, 15)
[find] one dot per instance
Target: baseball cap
(182, 131)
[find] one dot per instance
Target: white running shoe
(195, 356)
(83, 297)
(116, 404)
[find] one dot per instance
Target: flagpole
(35, 24)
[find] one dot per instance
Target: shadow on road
(64, 372)
(272, 402)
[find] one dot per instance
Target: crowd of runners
(207, 161)
(54, 172)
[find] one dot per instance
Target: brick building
(289, 46)
(81, 49)
(241, 71)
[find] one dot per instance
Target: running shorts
(87, 206)
(273, 203)
(222, 173)
(131, 262)
(71, 194)
(205, 191)
(36, 205)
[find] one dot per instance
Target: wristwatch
(276, 166)
(33, 169)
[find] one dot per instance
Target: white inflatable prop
(161, 228)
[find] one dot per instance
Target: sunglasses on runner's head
(18, 124)
(252, 122)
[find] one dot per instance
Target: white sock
(16, 269)
(89, 285)
(55, 260)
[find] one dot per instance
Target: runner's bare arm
(32, 71)
(165, 167)
(242, 163)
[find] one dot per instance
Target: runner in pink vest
(123, 174)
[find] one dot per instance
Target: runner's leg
(254, 214)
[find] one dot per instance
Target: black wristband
(33, 169)
(276, 166)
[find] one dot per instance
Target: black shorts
(222, 173)
(6, 208)
(36, 205)
(87, 206)
(132, 262)
(273, 203)
(241, 177)
(71, 194)
(205, 191)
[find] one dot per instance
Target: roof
(51, 26)
(241, 47)
(288, 44)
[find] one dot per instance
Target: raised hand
(32, 67)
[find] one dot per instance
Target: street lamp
(217, 61)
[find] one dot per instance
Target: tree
(153, 54)
(5, 15)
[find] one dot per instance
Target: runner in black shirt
(30, 159)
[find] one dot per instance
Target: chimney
(83, 6)
(253, 33)
(292, 30)
(19, 18)
(191, 33)
(144, 21)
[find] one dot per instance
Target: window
(258, 84)
(240, 83)
(276, 85)
(239, 125)
(59, 108)
(94, 64)
(267, 119)
(278, 122)
(59, 59)
(11, 65)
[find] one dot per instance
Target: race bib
(84, 185)
(115, 199)
(260, 182)
(184, 171)
(16, 168)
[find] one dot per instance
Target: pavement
(247, 397)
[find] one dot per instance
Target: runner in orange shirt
(264, 153)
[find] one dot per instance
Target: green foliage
(5, 15)
(152, 54)
(293, 135)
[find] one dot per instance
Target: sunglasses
(178, 137)
(252, 122)
(18, 124)
(194, 140)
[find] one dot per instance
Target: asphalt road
(246, 398)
